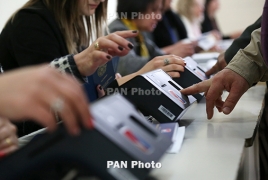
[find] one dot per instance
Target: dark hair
(125, 8)
(206, 5)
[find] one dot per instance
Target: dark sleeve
(242, 41)
(206, 25)
(264, 33)
(33, 40)
(67, 64)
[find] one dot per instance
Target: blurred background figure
(170, 33)
(192, 15)
(210, 23)
(141, 15)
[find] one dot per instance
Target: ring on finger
(8, 141)
(166, 62)
(97, 46)
(57, 105)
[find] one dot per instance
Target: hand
(33, 93)
(8, 137)
(227, 80)
(184, 49)
(216, 34)
(100, 91)
(221, 64)
(236, 34)
(102, 50)
(176, 65)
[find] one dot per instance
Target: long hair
(77, 30)
(206, 6)
(184, 8)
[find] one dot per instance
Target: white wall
(233, 15)
(237, 14)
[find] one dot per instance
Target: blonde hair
(184, 8)
(77, 30)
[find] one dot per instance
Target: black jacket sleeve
(242, 41)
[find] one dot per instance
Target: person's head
(70, 15)
(211, 7)
(167, 5)
(145, 13)
(191, 9)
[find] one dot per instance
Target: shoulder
(117, 25)
(36, 15)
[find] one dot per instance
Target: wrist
(79, 59)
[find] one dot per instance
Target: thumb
(231, 100)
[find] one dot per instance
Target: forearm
(249, 62)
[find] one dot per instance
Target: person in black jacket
(170, 32)
(210, 22)
(43, 30)
(239, 43)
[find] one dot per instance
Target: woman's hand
(40, 91)
(102, 50)
(171, 64)
(184, 49)
(8, 137)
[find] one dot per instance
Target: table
(224, 148)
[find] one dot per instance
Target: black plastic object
(120, 134)
(192, 74)
(156, 94)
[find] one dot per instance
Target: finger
(127, 34)
(219, 104)
(69, 119)
(213, 94)
(76, 100)
(117, 45)
(100, 91)
(11, 140)
(174, 74)
(172, 59)
(222, 63)
(120, 41)
(213, 70)
(173, 67)
(231, 100)
(44, 117)
(100, 58)
(9, 150)
(197, 88)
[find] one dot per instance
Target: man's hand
(227, 80)
(221, 64)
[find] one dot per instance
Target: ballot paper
(173, 132)
(204, 57)
(207, 41)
